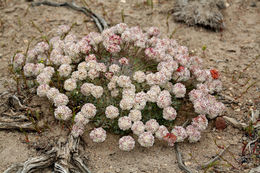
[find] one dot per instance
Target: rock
(244, 138)
(205, 13)
(255, 170)
(253, 4)
(118, 170)
(220, 123)
(234, 122)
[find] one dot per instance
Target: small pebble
(237, 110)
(253, 4)
(220, 123)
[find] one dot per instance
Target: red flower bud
(180, 69)
(214, 74)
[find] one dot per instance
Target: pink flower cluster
(204, 103)
(198, 124)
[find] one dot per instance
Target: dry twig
(179, 159)
(63, 156)
(206, 165)
(248, 146)
(235, 123)
(100, 22)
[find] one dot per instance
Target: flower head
(98, 135)
(179, 90)
(138, 128)
(89, 110)
(135, 115)
(60, 100)
(64, 70)
(180, 133)
(111, 112)
(201, 122)
(126, 143)
(70, 84)
(169, 113)
(193, 133)
(146, 139)
(161, 132)
(63, 113)
(42, 90)
(152, 125)
(124, 123)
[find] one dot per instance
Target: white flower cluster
(98, 135)
(204, 103)
(89, 88)
(111, 112)
(126, 143)
(96, 75)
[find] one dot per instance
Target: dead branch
(4, 93)
(37, 163)
(214, 159)
(63, 157)
(16, 122)
(27, 126)
(248, 146)
(15, 167)
(180, 162)
(255, 170)
(16, 103)
(235, 123)
(227, 99)
(100, 22)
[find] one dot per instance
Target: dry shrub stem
(99, 21)
(62, 156)
(14, 121)
(206, 165)
(179, 159)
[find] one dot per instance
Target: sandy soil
(231, 52)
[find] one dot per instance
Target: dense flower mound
(124, 80)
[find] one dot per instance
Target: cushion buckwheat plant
(125, 81)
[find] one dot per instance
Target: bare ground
(232, 52)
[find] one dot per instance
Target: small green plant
(150, 3)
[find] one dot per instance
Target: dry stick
(15, 167)
(60, 156)
(179, 157)
(214, 159)
(249, 144)
(18, 101)
(80, 164)
(15, 122)
(39, 162)
(28, 126)
(4, 93)
(100, 22)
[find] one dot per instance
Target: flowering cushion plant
(124, 80)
